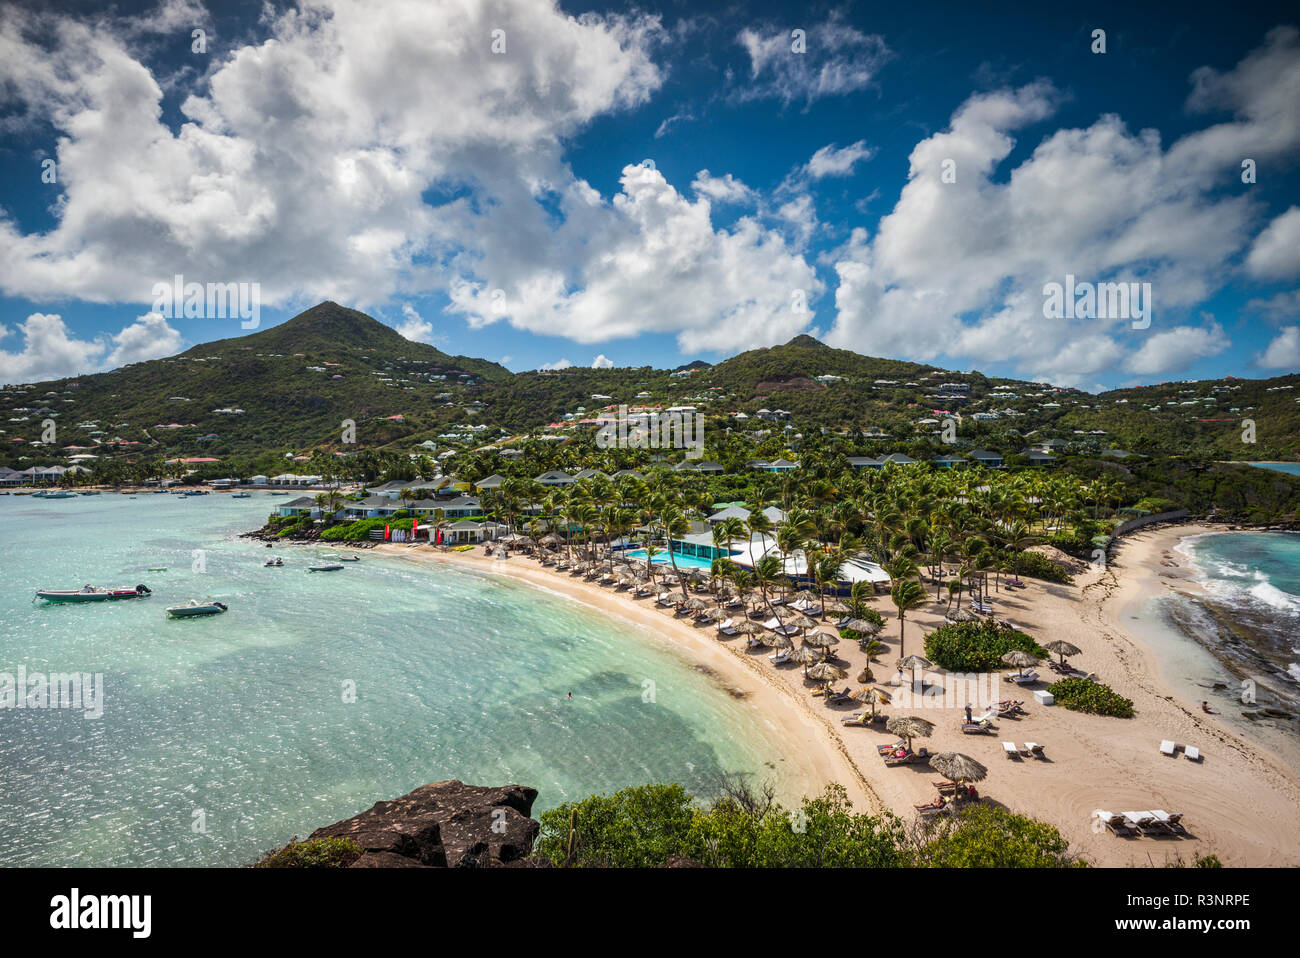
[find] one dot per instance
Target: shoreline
(1239, 800)
(697, 648)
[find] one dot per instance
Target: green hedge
(360, 529)
(1084, 695)
(1038, 566)
(976, 646)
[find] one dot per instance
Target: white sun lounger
(1193, 753)
(1010, 749)
(1117, 824)
(1034, 749)
(1172, 822)
(1168, 748)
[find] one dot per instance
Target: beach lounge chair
(1009, 709)
(1168, 748)
(844, 622)
(1143, 822)
(859, 720)
(1028, 678)
(1115, 824)
(1010, 749)
(1193, 753)
(1036, 750)
(919, 755)
(977, 728)
(1174, 822)
(836, 697)
(938, 805)
(883, 749)
(944, 785)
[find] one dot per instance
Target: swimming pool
(683, 561)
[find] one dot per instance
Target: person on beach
(968, 718)
(1205, 707)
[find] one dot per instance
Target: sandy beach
(1238, 802)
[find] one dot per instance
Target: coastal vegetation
(976, 646)
(652, 825)
(1086, 695)
(313, 853)
(337, 394)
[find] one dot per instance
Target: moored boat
(92, 593)
(273, 563)
(324, 568)
(195, 608)
(241, 495)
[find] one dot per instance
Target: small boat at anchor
(324, 568)
(241, 495)
(195, 608)
(92, 593)
(350, 558)
(273, 563)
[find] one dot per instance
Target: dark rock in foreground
(444, 825)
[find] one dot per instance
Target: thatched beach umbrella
(825, 672)
(822, 640)
(748, 627)
(1063, 648)
(1019, 659)
(964, 615)
(958, 768)
(872, 696)
(779, 641)
(909, 727)
(862, 625)
(696, 604)
(807, 656)
(799, 620)
(913, 662)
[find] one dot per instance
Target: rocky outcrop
(444, 825)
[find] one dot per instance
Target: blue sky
(659, 183)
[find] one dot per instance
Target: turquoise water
(222, 737)
(1292, 468)
(1251, 583)
(683, 561)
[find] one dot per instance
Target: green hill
(283, 388)
(288, 390)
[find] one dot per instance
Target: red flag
(387, 532)
(415, 528)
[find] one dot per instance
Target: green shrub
(1155, 504)
(986, 836)
(359, 529)
(976, 646)
(1038, 566)
(645, 826)
(1084, 695)
(313, 853)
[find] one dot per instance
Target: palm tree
(906, 594)
(673, 525)
(766, 571)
